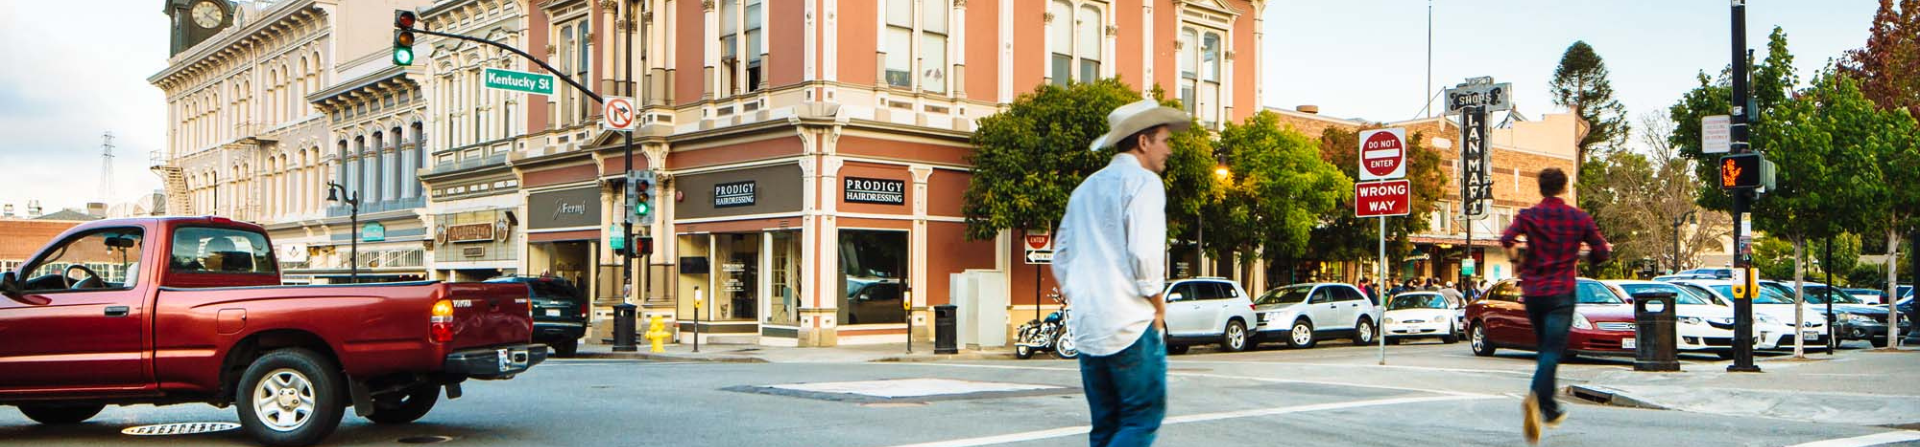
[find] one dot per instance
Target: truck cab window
(105, 259)
(220, 250)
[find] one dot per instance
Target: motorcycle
(1051, 334)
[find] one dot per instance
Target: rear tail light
(441, 329)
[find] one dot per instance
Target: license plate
(1628, 344)
(1809, 335)
(553, 312)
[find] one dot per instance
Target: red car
(1603, 322)
(189, 309)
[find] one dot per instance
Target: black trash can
(623, 327)
(945, 318)
(1657, 348)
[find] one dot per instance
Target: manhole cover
(436, 439)
(184, 428)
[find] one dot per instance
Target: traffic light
(645, 247)
(645, 192)
(403, 21)
(1746, 170)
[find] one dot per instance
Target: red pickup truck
(190, 309)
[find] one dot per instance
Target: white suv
(1208, 310)
(1303, 313)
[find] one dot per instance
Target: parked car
(1775, 306)
(1868, 296)
(1667, 278)
(1414, 315)
(560, 311)
(1302, 314)
(1713, 273)
(1703, 325)
(189, 309)
(1603, 323)
(1855, 320)
(1208, 310)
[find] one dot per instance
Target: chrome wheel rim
(284, 400)
(1065, 345)
(1365, 332)
(1479, 338)
(1302, 334)
(1236, 336)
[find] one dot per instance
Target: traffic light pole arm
(556, 73)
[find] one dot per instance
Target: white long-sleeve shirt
(1109, 256)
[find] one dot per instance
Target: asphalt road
(1428, 394)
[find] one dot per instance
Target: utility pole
(106, 168)
(1742, 305)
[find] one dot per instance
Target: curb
(1610, 396)
(921, 358)
(667, 357)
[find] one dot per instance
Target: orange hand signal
(1729, 173)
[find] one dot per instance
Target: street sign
(619, 114)
(1388, 198)
(1716, 135)
(1479, 92)
(518, 81)
(1039, 244)
(1383, 154)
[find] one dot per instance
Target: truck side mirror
(9, 284)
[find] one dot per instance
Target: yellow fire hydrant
(657, 334)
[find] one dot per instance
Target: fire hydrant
(657, 334)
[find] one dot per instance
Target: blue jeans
(1127, 392)
(1551, 316)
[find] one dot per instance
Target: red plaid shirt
(1554, 232)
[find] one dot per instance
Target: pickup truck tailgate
(489, 314)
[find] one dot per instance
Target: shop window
(873, 267)
(737, 276)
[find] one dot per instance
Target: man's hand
(1159, 312)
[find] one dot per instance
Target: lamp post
(338, 194)
(1684, 219)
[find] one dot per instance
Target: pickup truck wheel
(405, 407)
(60, 414)
(291, 397)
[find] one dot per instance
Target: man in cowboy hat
(1109, 260)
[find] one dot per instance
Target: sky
(1353, 58)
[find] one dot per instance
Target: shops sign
(519, 81)
(480, 232)
(881, 191)
(373, 232)
(577, 208)
(733, 194)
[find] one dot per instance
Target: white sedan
(1704, 326)
(1769, 305)
(1422, 315)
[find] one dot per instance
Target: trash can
(623, 327)
(945, 320)
(1657, 348)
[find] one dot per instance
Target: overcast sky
(60, 89)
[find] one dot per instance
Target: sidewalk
(1860, 387)
(729, 353)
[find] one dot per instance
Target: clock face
(206, 14)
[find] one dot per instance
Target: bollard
(1657, 349)
(657, 334)
(623, 330)
(945, 317)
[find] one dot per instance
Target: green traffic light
(403, 56)
(642, 208)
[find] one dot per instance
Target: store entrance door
(736, 259)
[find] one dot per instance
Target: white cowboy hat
(1137, 116)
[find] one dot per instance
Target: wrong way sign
(1383, 154)
(1377, 199)
(619, 114)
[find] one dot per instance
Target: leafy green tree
(1344, 237)
(1867, 274)
(1028, 158)
(1278, 189)
(1845, 255)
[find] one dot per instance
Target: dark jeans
(1550, 315)
(1127, 392)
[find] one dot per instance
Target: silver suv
(1302, 314)
(1208, 310)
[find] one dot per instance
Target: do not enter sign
(1383, 154)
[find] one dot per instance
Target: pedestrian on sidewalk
(1109, 261)
(1554, 232)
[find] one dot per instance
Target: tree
(1028, 158)
(1344, 237)
(1772, 79)
(1889, 66)
(1845, 255)
(1643, 195)
(1277, 191)
(1580, 84)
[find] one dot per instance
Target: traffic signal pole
(509, 48)
(626, 232)
(1742, 305)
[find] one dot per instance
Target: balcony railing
(471, 163)
(376, 207)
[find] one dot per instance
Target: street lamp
(338, 194)
(1221, 174)
(1684, 219)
